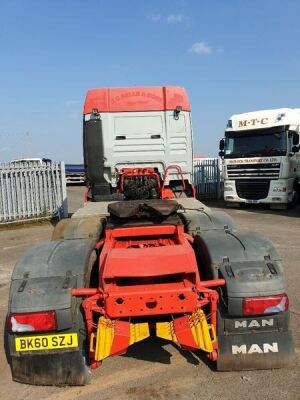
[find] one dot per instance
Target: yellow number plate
(46, 342)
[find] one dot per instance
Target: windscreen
(256, 143)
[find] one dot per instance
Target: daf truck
(261, 160)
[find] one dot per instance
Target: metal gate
(207, 178)
(32, 190)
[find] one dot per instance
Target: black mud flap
(67, 368)
(60, 367)
(42, 281)
(264, 350)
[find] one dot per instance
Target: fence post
(64, 190)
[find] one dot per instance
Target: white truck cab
(129, 130)
(261, 160)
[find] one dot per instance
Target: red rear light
(32, 322)
(265, 305)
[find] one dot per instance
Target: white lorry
(126, 130)
(261, 159)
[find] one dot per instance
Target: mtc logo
(253, 122)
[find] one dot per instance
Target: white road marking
(15, 246)
(20, 244)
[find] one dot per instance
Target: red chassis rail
(148, 272)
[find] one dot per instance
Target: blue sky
(231, 56)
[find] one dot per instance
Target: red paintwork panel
(151, 300)
(150, 261)
(151, 98)
(121, 338)
(183, 333)
(147, 251)
(148, 270)
(141, 231)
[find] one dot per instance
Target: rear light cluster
(265, 305)
(32, 322)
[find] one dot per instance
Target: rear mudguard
(60, 367)
(250, 266)
(247, 261)
(90, 227)
(203, 220)
(42, 280)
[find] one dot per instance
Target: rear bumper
(145, 302)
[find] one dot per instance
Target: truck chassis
(128, 270)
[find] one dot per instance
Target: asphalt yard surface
(156, 369)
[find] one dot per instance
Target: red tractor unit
(144, 257)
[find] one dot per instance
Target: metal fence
(207, 178)
(32, 190)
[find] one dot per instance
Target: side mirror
(222, 145)
(222, 153)
(177, 111)
(295, 149)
